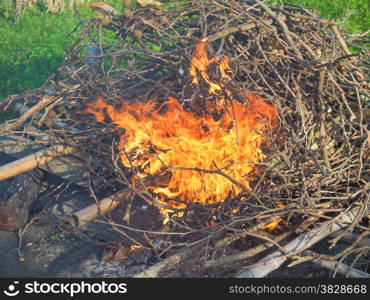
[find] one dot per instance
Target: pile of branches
(316, 76)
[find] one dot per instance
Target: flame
(134, 247)
(272, 225)
(199, 65)
(192, 148)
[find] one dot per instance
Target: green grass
(355, 14)
(32, 49)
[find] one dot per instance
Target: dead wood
(16, 201)
(69, 167)
(339, 267)
(102, 207)
(222, 261)
(34, 160)
(304, 241)
(350, 237)
(316, 161)
(169, 262)
(46, 100)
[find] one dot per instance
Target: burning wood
(258, 123)
(305, 241)
(164, 136)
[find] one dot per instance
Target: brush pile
(314, 172)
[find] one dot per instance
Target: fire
(272, 225)
(192, 148)
(199, 65)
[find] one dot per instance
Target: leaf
(116, 251)
(144, 3)
(103, 9)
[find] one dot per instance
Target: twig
(306, 240)
(34, 109)
(337, 266)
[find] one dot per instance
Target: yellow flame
(159, 137)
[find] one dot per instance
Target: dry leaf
(103, 9)
(149, 2)
(115, 251)
(126, 3)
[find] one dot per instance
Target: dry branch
(34, 160)
(68, 167)
(297, 61)
(339, 267)
(350, 237)
(222, 261)
(274, 260)
(33, 110)
(169, 262)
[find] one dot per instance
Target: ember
(164, 136)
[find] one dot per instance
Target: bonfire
(238, 126)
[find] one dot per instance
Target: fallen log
(33, 160)
(273, 261)
(69, 167)
(16, 200)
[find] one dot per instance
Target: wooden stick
(338, 266)
(104, 206)
(350, 237)
(341, 41)
(168, 262)
(34, 109)
(69, 167)
(32, 161)
(304, 241)
(244, 254)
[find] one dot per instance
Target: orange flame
(272, 225)
(200, 63)
(192, 147)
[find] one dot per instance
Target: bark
(16, 201)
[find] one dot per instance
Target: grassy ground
(354, 13)
(31, 50)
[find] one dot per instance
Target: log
(69, 167)
(33, 160)
(15, 202)
(273, 261)
(102, 207)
